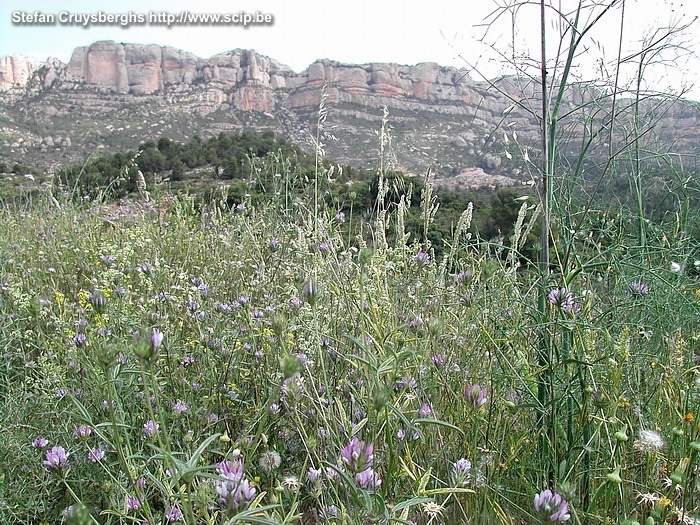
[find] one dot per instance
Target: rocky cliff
(112, 95)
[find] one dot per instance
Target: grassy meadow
(173, 363)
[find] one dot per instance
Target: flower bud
(614, 476)
(311, 291)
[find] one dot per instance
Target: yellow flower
(663, 502)
(59, 298)
(689, 417)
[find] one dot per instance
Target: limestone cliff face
(251, 80)
(15, 71)
(111, 95)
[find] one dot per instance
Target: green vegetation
(248, 167)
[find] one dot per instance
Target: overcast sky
(360, 31)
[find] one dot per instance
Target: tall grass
(432, 362)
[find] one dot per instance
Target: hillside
(111, 96)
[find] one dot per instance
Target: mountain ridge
(112, 95)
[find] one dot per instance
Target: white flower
(648, 499)
(676, 267)
(649, 441)
(432, 509)
(292, 483)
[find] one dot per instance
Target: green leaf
(432, 421)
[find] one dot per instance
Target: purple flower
(425, 410)
(274, 244)
(82, 431)
(96, 455)
(314, 474)
(56, 458)
(639, 288)
(562, 298)
(368, 479)
(476, 395)
(150, 428)
(358, 455)
(231, 470)
(174, 514)
(108, 260)
(40, 442)
(438, 359)
(423, 258)
(141, 483)
(132, 503)
(235, 494)
(416, 322)
(146, 268)
(156, 339)
(180, 407)
(461, 472)
(80, 339)
(551, 506)
(296, 303)
(329, 512)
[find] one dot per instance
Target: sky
(449, 32)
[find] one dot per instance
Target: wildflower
(648, 499)
(676, 267)
(332, 474)
(174, 514)
(146, 268)
(235, 494)
(274, 244)
(40, 442)
(358, 455)
(551, 506)
(274, 409)
(292, 386)
(562, 298)
(96, 455)
(425, 410)
(56, 458)
(296, 303)
(82, 431)
(639, 288)
(461, 472)
(180, 407)
(368, 479)
(291, 483)
(150, 428)
(329, 512)
(270, 460)
(132, 503)
(314, 474)
(649, 441)
(438, 359)
(406, 382)
(108, 260)
(156, 339)
(423, 258)
(476, 395)
(415, 322)
(432, 509)
(80, 339)
(141, 483)
(689, 417)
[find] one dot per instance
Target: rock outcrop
(15, 71)
(111, 95)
